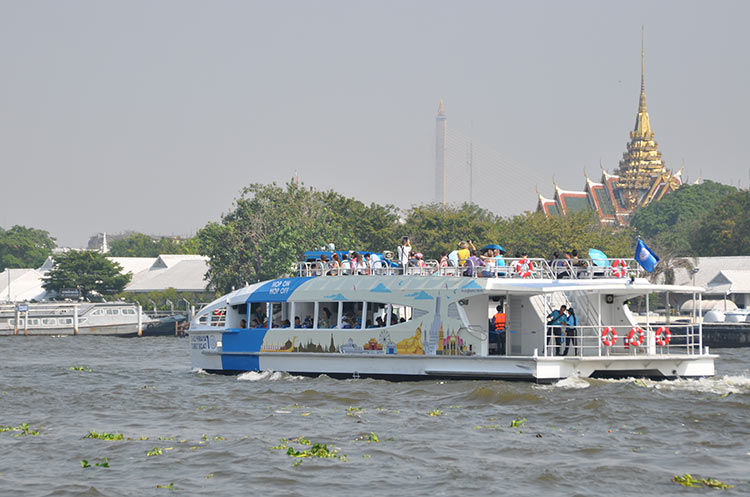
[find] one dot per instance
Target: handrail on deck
(520, 268)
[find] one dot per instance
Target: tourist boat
(435, 324)
(65, 318)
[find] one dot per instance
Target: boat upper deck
(522, 268)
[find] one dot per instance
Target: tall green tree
(671, 220)
(88, 271)
(22, 247)
(725, 229)
(434, 228)
(270, 227)
(540, 236)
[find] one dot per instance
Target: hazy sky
(151, 115)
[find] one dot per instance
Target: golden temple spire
(642, 121)
(643, 63)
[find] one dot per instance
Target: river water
(229, 435)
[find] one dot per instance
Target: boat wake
(267, 376)
(719, 385)
(570, 383)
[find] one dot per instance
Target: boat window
(49, 321)
(80, 321)
(97, 312)
(280, 315)
(128, 311)
(305, 311)
(67, 320)
(218, 316)
(203, 319)
(258, 315)
(351, 316)
(33, 322)
(113, 312)
(376, 314)
(401, 313)
(11, 322)
(328, 315)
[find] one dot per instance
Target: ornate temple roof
(640, 178)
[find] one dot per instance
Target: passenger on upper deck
(472, 264)
(579, 265)
(297, 322)
(307, 323)
(403, 253)
(443, 262)
(463, 251)
(335, 264)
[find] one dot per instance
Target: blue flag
(645, 257)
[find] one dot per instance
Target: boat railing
(519, 268)
(623, 340)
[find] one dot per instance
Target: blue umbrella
(493, 246)
(598, 257)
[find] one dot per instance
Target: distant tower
(441, 181)
(105, 246)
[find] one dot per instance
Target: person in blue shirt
(571, 322)
(555, 321)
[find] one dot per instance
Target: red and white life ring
(606, 340)
(635, 337)
(663, 336)
(619, 268)
(523, 267)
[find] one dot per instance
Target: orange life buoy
(523, 267)
(635, 337)
(661, 341)
(606, 332)
(619, 268)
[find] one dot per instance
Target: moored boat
(63, 318)
(433, 322)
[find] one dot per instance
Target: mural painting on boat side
(437, 332)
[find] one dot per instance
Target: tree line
(269, 227)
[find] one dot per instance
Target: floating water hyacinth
(688, 480)
(156, 451)
(104, 435)
(518, 422)
(435, 412)
(85, 369)
(369, 437)
(168, 487)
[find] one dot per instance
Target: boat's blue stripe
(276, 290)
(248, 341)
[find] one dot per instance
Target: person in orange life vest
(498, 323)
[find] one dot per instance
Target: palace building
(642, 177)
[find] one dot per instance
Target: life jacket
(499, 319)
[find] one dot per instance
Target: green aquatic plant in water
(168, 487)
(155, 452)
(688, 480)
(435, 412)
(23, 429)
(85, 369)
(317, 450)
(103, 464)
(104, 435)
(518, 422)
(371, 437)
